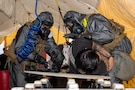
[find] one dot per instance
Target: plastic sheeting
(123, 12)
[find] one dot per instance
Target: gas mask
(44, 32)
(76, 28)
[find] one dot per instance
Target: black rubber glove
(87, 36)
(71, 35)
(75, 36)
(55, 68)
(39, 59)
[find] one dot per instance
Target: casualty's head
(87, 61)
(72, 21)
(86, 58)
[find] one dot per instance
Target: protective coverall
(24, 51)
(97, 27)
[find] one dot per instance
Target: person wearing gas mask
(103, 31)
(99, 28)
(26, 48)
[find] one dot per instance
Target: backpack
(118, 31)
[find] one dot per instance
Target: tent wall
(17, 13)
(123, 12)
(58, 36)
(8, 39)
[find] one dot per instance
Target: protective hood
(46, 18)
(73, 20)
(73, 15)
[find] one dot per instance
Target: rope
(62, 19)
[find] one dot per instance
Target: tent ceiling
(17, 13)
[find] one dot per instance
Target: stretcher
(68, 75)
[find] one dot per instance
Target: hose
(31, 39)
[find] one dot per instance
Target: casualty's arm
(105, 53)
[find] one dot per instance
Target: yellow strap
(84, 22)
